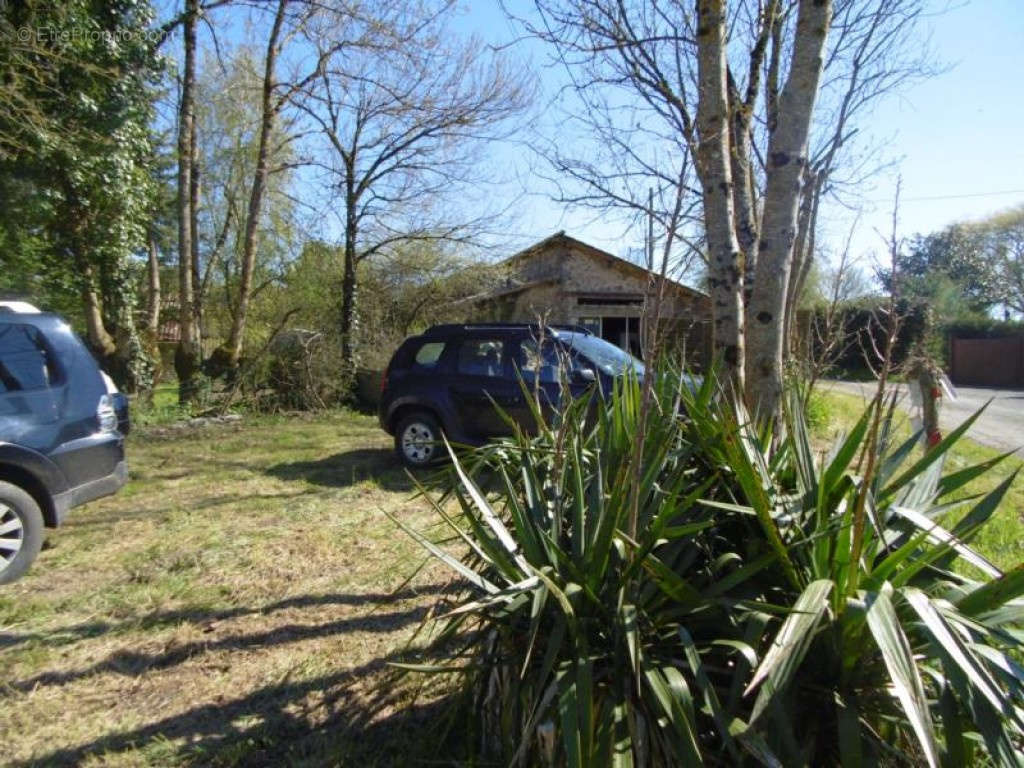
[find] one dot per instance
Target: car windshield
(606, 356)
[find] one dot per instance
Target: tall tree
(404, 115)
(786, 163)
(1004, 235)
(296, 21)
(79, 130)
(711, 140)
(229, 94)
(188, 356)
(958, 255)
(874, 50)
(269, 109)
(736, 85)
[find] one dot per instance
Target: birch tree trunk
(153, 293)
(785, 161)
(232, 351)
(725, 261)
(741, 147)
(803, 259)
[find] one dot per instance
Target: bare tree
(737, 86)
(403, 122)
(188, 356)
(294, 22)
(889, 317)
(875, 50)
(681, 67)
(826, 338)
(786, 162)
(269, 109)
(627, 167)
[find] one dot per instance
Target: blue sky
(959, 133)
(956, 139)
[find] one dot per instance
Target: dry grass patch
(235, 604)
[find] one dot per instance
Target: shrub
(653, 588)
(816, 412)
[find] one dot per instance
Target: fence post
(952, 358)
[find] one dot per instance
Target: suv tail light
(106, 414)
(384, 382)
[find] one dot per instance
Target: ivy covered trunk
(348, 296)
(131, 364)
(108, 298)
(101, 342)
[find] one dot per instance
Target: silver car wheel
(12, 535)
(418, 442)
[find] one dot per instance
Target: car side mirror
(584, 376)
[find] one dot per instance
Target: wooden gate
(988, 362)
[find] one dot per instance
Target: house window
(592, 324)
(610, 301)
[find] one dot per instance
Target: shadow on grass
(362, 715)
(159, 619)
(341, 470)
(367, 714)
(118, 515)
(134, 663)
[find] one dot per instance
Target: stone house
(565, 280)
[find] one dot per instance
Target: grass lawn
(1001, 540)
(234, 604)
(237, 602)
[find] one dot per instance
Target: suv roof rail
(19, 307)
(454, 327)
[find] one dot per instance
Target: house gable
(564, 280)
(580, 267)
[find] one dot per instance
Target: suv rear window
(25, 361)
(428, 355)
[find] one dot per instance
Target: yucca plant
(890, 653)
(649, 585)
(599, 622)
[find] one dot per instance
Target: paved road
(1000, 426)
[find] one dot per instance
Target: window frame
(587, 320)
(560, 350)
(504, 341)
(415, 366)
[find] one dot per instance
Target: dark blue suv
(62, 428)
(449, 378)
